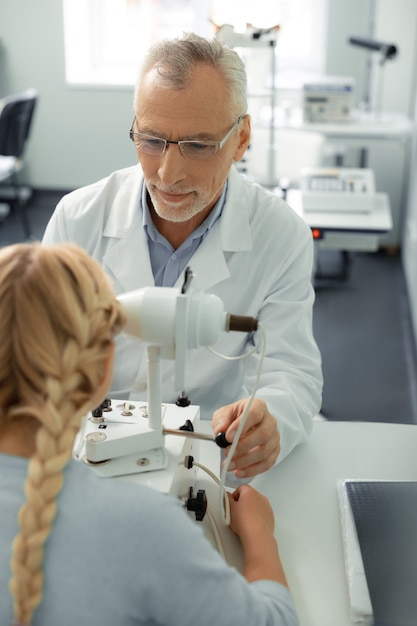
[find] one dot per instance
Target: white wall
(396, 22)
(348, 18)
(79, 135)
(409, 250)
(399, 20)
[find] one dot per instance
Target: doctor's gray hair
(175, 59)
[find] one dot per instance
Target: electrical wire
(223, 491)
(216, 533)
(224, 500)
(207, 470)
(224, 504)
(210, 515)
(225, 357)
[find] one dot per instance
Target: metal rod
(187, 433)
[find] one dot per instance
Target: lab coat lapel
(128, 260)
(208, 263)
(231, 233)
(126, 256)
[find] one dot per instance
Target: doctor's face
(184, 186)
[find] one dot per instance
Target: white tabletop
(303, 493)
(377, 221)
(361, 125)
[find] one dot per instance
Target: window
(105, 40)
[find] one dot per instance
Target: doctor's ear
(244, 134)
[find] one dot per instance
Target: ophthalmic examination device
(152, 441)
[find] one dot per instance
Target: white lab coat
(257, 258)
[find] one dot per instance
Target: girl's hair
(58, 319)
(175, 60)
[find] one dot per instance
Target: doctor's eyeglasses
(192, 149)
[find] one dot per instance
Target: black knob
(197, 504)
(183, 400)
(188, 426)
(221, 440)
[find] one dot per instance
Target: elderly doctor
(186, 205)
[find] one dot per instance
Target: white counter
(303, 492)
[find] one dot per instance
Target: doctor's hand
(259, 443)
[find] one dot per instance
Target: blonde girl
(58, 318)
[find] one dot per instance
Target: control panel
(338, 189)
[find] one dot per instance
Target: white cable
(233, 358)
(224, 504)
(212, 520)
(216, 533)
(226, 509)
(207, 470)
(223, 491)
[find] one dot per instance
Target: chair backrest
(16, 112)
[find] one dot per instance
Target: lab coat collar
(126, 256)
(234, 224)
(231, 233)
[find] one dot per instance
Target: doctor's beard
(198, 199)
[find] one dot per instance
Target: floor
(362, 326)
(38, 209)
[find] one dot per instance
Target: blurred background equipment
(16, 114)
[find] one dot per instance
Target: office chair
(16, 114)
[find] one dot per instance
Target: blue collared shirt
(167, 263)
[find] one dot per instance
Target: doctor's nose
(172, 165)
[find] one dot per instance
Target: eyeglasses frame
(217, 144)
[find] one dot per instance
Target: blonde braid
(57, 365)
